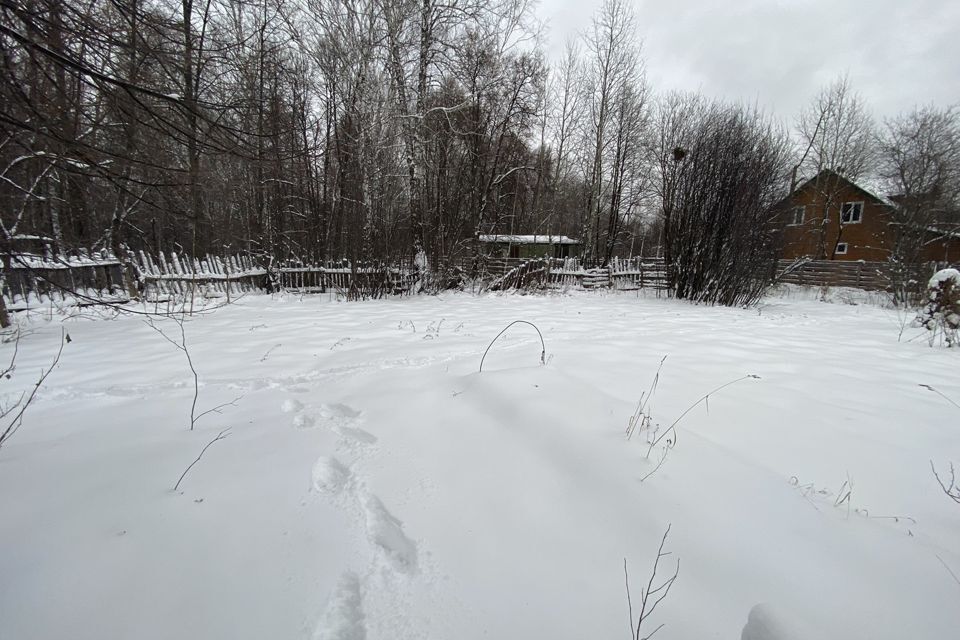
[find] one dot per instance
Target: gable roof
(868, 187)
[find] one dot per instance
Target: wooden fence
(32, 280)
(209, 277)
(343, 277)
(83, 278)
(625, 274)
(871, 276)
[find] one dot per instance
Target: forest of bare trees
(330, 128)
(380, 129)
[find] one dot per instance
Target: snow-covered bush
(941, 315)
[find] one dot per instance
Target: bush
(941, 315)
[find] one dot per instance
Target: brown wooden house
(829, 217)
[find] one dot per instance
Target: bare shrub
(721, 167)
(941, 315)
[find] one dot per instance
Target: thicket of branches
(328, 128)
(721, 168)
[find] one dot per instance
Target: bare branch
(21, 405)
(220, 436)
(651, 596)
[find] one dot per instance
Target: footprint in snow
(304, 421)
(337, 411)
(290, 405)
(330, 475)
(357, 434)
(343, 618)
(386, 532)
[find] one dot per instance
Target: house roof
(868, 186)
(521, 239)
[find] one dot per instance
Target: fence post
(226, 274)
(129, 275)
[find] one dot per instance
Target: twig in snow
(844, 498)
(217, 409)
(663, 459)
(182, 346)
(18, 408)
(705, 398)
(642, 416)
(220, 436)
(269, 351)
(950, 489)
(543, 347)
(929, 388)
(651, 596)
(949, 570)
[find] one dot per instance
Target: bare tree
(616, 103)
(837, 134)
(919, 156)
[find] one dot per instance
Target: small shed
(524, 246)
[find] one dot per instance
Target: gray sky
(778, 53)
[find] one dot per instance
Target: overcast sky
(778, 53)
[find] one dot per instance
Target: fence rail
(33, 280)
(81, 278)
(870, 276)
(621, 274)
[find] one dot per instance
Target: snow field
(374, 485)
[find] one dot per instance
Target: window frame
(861, 204)
(792, 216)
(846, 249)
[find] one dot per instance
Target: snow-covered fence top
(82, 278)
(619, 273)
(210, 276)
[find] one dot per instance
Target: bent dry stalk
(543, 347)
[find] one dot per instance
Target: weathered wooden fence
(34, 280)
(83, 278)
(343, 277)
(871, 276)
(621, 274)
(209, 277)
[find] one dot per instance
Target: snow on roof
(515, 239)
(870, 185)
(876, 188)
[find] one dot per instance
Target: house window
(851, 212)
(841, 249)
(795, 216)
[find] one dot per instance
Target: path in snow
(393, 556)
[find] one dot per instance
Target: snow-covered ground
(374, 485)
